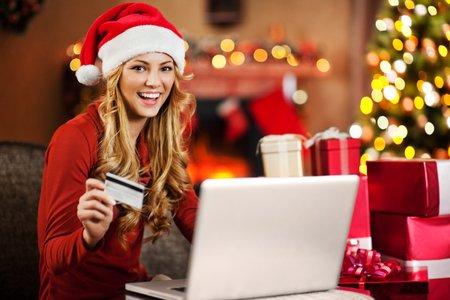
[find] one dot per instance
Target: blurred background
(376, 69)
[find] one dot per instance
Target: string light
(75, 64)
(446, 99)
(439, 81)
(443, 51)
(291, 60)
(260, 55)
(300, 97)
(420, 10)
(400, 66)
(410, 152)
(398, 25)
(390, 92)
(366, 105)
(397, 140)
(382, 122)
(380, 25)
(399, 83)
(408, 58)
(377, 95)
(406, 20)
(402, 131)
(406, 31)
(432, 98)
(379, 144)
(408, 104)
(77, 48)
(409, 4)
(372, 59)
(427, 87)
(355, 131)
(323, 65)
(278, 52)
(219, 61)
(385, 66)
(237, 58)
(393, 2)
(429, 128)
(227, 45)
(432, 10)
(389, 23)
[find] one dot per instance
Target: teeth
(150, 95)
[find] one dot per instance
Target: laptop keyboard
(180, 289)
(328, 295)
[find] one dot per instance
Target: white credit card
(124, 190)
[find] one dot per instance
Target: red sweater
(67, 269)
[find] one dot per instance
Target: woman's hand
(95, 211)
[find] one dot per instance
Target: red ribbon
(367, 263)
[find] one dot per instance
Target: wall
(30, 77)
(31, 68)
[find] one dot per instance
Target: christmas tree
(407, 113)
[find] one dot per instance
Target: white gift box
(282, 155)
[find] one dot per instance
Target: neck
(135, 127)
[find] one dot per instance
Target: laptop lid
(259, 237)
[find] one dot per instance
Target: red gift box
(360, 224)
(414, 241)
(439, 289)
(410, 187)
(407, 284)
(334, 153)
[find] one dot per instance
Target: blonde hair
(167, 161)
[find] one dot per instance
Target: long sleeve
(67, 166)
(186, 214)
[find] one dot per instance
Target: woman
(89, 246)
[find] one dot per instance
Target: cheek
(168, 83)
(127, 87)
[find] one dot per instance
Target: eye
(166, 69)
(138, 68)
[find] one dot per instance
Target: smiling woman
(145, 83)
(89, 245)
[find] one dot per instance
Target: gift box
(410, 187)
(281, 155)
(334, 153)
(407, 284)
(414, 241)
(360, 224)
(439, 289)
(407, 237)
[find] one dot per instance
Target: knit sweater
(68, 269)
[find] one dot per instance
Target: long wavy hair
(165, 136)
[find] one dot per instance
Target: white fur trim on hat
(88, 75)
(139, 40)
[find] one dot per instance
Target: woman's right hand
(95, 211)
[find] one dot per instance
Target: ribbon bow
(330, 133)
(367, 263)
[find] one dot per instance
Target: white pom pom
(88, 75)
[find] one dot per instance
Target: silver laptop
(262, 237)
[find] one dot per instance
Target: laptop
(263, 237)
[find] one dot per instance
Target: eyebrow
(145, 62)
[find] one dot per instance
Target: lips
(149, 98)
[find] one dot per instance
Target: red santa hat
(123, 32)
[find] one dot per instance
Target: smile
(149, 96)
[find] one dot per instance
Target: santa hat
(123, 32)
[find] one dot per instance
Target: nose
(153, 78)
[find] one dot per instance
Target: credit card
(124, 191)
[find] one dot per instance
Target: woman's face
(145, 83)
